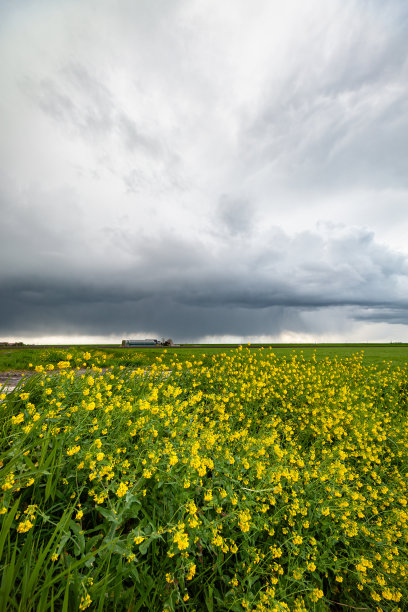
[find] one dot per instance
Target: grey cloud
(385, 314)
(74, 97)
(88, 111)
(184, 105)
(82, 102)
(135, 138)
(74, 315)
(41, 230)
(135, 181)
(95, 107)
(236, 214)
(53, 101)
(255, 284)
(338, 117)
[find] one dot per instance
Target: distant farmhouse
(147, 342)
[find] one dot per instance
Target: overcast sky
(204, 170)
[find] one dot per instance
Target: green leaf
(108, 514)
(78, 538)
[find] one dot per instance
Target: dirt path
(11, 380)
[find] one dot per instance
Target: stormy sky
(204, 170)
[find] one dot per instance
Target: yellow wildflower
(122, 490)
(24, 526)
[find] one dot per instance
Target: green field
(241, 479)
(20, 358)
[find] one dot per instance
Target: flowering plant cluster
(242, 482)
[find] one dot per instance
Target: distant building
(140, 343)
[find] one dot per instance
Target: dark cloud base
(250, 286)
(69, 312)
(159, 313)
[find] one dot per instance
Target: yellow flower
(16, 420)
(63, 364)
(9, 482)
(24, 526)
(208, 495)
(316, 594)
(73, 450)
(139, 539)
(85, 602)
(173, 459)
(191, 572)
(181, 539)
(191, 507)
(122, 490)
(244, 518)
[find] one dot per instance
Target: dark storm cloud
(79, 312)
(255, 284)
(385, 314)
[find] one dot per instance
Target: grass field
(237, 479)
(20, 358)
